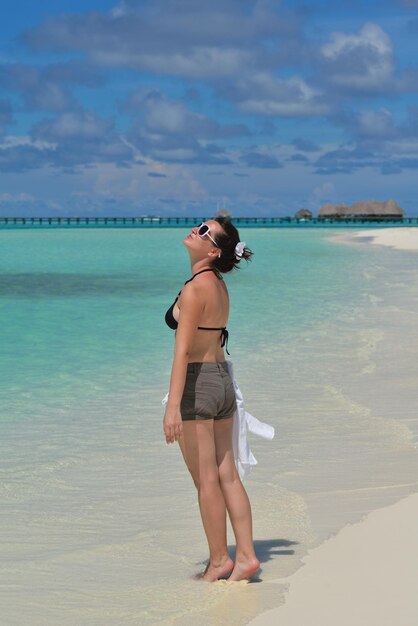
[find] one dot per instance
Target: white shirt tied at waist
(242, 423)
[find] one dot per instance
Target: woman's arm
(191, 311)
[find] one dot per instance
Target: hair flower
(239, 249)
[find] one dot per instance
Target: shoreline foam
(366, 574)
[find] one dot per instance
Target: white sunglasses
(203, 231)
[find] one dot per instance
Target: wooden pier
(185, 222)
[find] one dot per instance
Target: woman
(201, 399)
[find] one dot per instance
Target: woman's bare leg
(237, 502)
(198, 447)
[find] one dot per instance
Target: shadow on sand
(265, 549)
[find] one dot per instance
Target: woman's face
(201, 247)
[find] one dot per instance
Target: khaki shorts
(208, 392)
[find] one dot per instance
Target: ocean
(100, 521)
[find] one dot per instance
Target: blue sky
(181, 107)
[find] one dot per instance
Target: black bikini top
(172, 322)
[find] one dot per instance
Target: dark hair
(226, 241)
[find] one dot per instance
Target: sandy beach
(365, 574)
(401, 238)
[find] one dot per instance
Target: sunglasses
(203, 231)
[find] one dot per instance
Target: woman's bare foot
(214, 572)
(244, 569)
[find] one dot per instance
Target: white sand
(367, 575)
(401, 238)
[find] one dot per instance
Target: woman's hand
(173, 425)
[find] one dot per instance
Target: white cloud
(204, 39)
(80, 124)
(108, 181)
(361, 61)
(265, 94)
(46, 87)
(402, 147)
(375, 124)
(201, 63)
(17, 197)
(164, 116)
(12, 141)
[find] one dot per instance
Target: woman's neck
(201, 265)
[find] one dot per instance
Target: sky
(185, 107)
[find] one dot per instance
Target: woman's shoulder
(203, 283)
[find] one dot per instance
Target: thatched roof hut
(223, 213)
(370, 208)
(303, 214)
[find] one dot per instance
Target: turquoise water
(84, 310)
(100, 518)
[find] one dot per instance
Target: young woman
(201, 399)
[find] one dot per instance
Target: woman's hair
(226, 241)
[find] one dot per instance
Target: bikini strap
(224, 335)
(208, 269)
